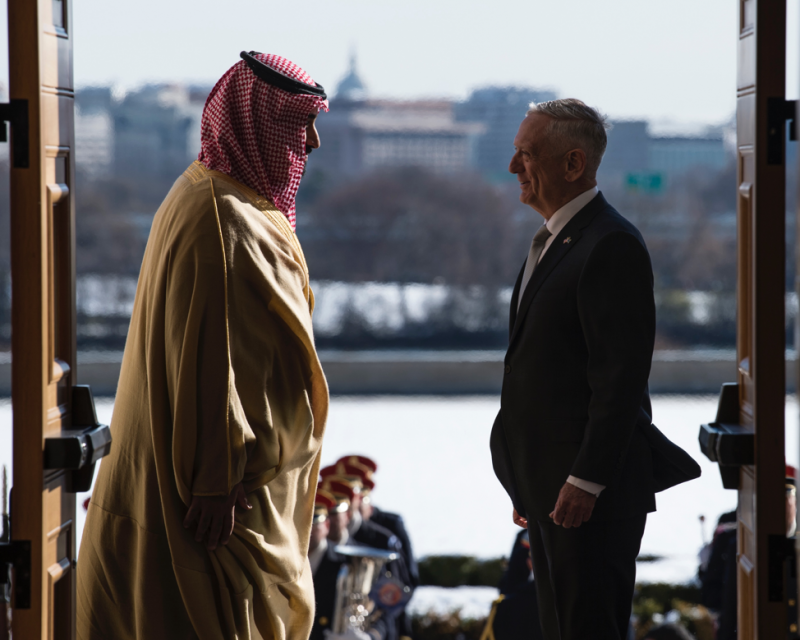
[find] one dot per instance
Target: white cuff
(590, 487)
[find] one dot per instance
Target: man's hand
(215, 515)
(573, 507)
(519, 520)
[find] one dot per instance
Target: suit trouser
(585, 577)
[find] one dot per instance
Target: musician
(339, 517)
(361, 469)
(517, 613)
(325, 566)
(346, 489)
(364, 468)
(201, 514)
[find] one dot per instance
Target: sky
(655, 59)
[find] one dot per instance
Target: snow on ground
(435, 469)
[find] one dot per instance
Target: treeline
(458, 232)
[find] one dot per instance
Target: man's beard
(308, 153)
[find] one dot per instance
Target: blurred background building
(154, 131)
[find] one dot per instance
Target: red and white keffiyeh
(256, 132)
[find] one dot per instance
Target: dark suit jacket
(575, 399)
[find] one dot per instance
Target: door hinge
(779, 111)
(780, 548)
(16, 554)
(15, 112)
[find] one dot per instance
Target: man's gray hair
(575, 126)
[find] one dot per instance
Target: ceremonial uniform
(518, 571)
(349, 479)
(326, 563)
(516, 613)
(715, 574)
(394, 523)
(325, 591)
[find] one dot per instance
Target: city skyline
(658, 61)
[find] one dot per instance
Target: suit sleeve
(617, 313)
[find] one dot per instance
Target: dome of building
(351, 87)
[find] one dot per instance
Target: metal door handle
(15, 112)
(78, 449)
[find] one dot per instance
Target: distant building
(361, 136)
(677, 155)
(152, 128)
(627, 150)
(648, 163)
(500, 110)
(153, 133)
(198, 93)
(351, 88)
(94, 131)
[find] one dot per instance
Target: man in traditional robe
(200, 519)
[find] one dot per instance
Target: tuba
(364, 589)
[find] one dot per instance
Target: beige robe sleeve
(210, 434)
(269, 302)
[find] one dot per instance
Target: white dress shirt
(566, 213)
(315, 556)
(555, 224)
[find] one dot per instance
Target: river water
(435, 469)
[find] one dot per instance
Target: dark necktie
(537, 246)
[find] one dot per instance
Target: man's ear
(575, 165)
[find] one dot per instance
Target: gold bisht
(220, 384)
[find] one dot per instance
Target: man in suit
(573, 444)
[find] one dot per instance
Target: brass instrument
(355, 587)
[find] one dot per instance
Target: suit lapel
(562, 244)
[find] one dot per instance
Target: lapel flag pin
(567, 240)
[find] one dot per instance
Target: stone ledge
(443, 372)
